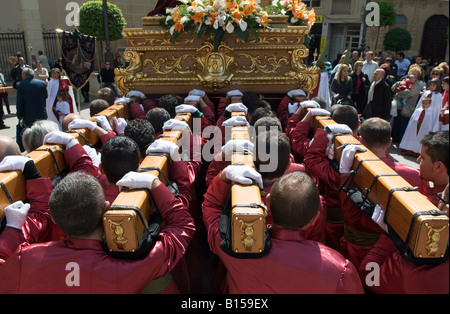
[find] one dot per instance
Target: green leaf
(218, 36)
(241, 34)
(202, 30)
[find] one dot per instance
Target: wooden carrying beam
(248, 212)
(126, 220)
(6, 89)
(422, 228)
(49, 160)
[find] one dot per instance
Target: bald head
(8, 147)
(67, 119)
(378, 74)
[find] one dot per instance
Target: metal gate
(52, 45)
(10, 44)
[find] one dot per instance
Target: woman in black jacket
(361, 85)
(342, 87)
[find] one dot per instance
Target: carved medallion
(215, 68)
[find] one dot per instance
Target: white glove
(123, 101)
(245, 175)
(104, 122)
(236, 121)
(338, 129)
(192, 98)
(82, 124)
(16, 214)
(296, 92)
(238, 107)
(237, 146)
(235, 94)
(92, 152)
(309, 104)
(137, 180)
(60, 138)
(347, 157)
(292, 108)
(378, 218)
(185, 108)
(319, 112)
(13, 163)
(162, 146)
(120, 125)
(197, 92)
(175, 124)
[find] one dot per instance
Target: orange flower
(198, 17)
(178, 26)
(176, 15)
(249, 9)
(237, 14)
(212, 15)
(299, 11)
(230, 4)
(312, 17)
(264, 19)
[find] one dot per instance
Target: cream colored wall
(51, 14)
(417, 12)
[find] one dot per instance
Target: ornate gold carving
(272, 60)
(307, 76)
(215, 68)
(125, 78)
(247, 234)
(118, 231)
(266, 64)
(170, 65)
(434, 237)
(164, 41)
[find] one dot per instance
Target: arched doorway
(434, 40)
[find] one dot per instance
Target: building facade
(29, 26)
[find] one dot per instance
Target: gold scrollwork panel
(273, 62)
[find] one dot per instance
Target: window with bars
(341, 7)
(352, 35)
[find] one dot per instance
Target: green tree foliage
(387, 13)
(397, 39)
(92, 21)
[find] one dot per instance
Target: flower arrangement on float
(296, 10)
(219, 17)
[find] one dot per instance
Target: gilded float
(271, 63)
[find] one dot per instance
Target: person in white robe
(421, 123)
(58, 83)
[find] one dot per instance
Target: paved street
(11, 120)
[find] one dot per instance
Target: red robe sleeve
(300, 138)
(282, 111)
(179, 173)
(208, 117)
(399, 276)
(10, 240)
(106, 137)
(38, 226)
(136, 111)
(77, 159)
(223, 103)
(216, 195)
(214, 168)
(355, 217)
